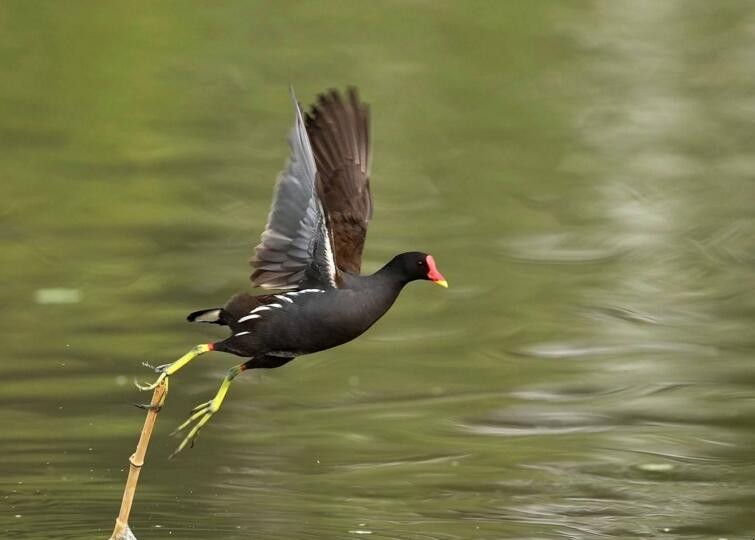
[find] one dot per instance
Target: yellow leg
(204, 411)
(169, 369)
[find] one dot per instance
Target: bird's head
(415, 265)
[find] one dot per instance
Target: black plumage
(310, 254)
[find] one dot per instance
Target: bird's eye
(420, 263)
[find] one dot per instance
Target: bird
(309, 257)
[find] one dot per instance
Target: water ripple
(563, 350)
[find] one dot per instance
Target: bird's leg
(169, 369)
(204, 411)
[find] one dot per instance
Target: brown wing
(339, 132)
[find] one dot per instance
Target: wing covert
(295, 248)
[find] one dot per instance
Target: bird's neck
(391, 275)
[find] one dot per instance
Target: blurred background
(582, 172)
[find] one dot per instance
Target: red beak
(433, 274)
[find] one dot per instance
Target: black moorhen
(310, 253)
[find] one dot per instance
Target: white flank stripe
(249, 317)
(274, 305)
(242, 334)
(282, 297)
(261, 308)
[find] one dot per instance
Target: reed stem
(122, 530)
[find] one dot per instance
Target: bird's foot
(155, 407)
(202, 413)
(162, 368)
(144, 387)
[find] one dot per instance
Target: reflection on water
(583, 175)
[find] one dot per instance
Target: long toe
(205, 405)
(152, 386)
(196, 412)
(204, 416)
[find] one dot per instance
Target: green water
(582, 173)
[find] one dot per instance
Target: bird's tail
(212, 315)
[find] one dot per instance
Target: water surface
(582, 173)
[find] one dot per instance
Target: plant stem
(121, 530)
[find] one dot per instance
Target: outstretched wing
(339, 131)
(295, 250)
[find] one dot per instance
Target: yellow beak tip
(442, 282)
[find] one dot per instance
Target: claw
(149, 406)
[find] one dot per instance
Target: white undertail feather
(208, 316)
